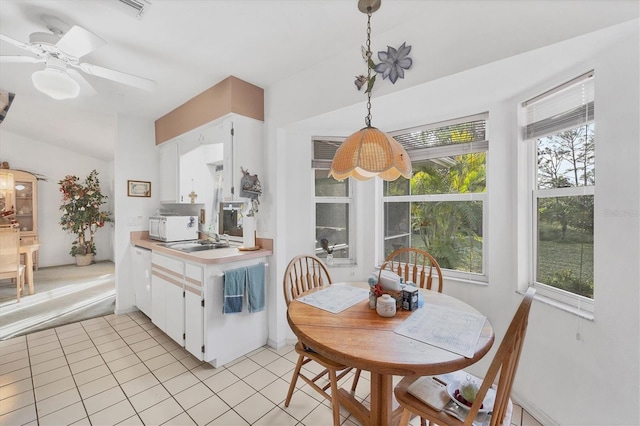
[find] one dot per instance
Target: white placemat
(450, 329)
(335, 298)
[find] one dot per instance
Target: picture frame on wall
(138, 188)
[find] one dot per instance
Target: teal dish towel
(234, 283)
(255, 287)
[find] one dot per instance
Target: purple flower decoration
(393, 62)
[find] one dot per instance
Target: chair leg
(294, 379)
(355, 381)
(406, 416)
(335, 404)
(19, 286)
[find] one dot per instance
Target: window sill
(341, 265)
(563, 306)
(465, 280)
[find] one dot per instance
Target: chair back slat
(414, 265)
(9, 251)
(303, 273)
(505, 362)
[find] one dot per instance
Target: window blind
(564, 107)
(443, 139)
(323, 152)
(456, 134)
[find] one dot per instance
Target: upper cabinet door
(188, 162)
(168, 163)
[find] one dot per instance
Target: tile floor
(123, 370)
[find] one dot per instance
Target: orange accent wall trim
(231, 95)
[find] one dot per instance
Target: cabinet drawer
(171, 266)
(194, 274)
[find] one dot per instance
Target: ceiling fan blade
(78, 42)
(17, 43)
(120, 77)
(86, 89)
(20, 59)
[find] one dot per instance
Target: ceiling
(188, 46)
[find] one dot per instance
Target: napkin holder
(389, 280)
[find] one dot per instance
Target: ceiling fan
(61, 52)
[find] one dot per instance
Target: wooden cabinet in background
(23, 200)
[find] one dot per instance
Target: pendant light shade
(368, 153)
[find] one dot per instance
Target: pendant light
(370, 152)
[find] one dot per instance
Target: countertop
(220, 255)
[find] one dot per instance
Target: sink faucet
(211, 235)
(215, 237)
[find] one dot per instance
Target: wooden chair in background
(304, 273)
(10, 267)
(505, 362)
(414, 265)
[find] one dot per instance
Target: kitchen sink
(196, 245)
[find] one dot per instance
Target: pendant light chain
(369, 152)
(367, 120)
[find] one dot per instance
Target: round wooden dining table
(358, 337)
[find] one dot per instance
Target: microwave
(173, 228)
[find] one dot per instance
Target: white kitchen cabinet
(174, 306)
(169, 163)
(167, 295)
(187, 161)
(141, 276)
(158, 300)
(187, 300)
(228, 337)
(194, 310)
(243, 150)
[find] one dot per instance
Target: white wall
(600, 370)
(55, 163)
(136, 158)
(560, 380)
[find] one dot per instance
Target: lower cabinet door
(194, 340)
(158, 301)
(174, 305)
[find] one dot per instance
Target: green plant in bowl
(469, 390)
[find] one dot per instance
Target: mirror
(231, 218)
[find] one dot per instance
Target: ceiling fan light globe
(56, 84)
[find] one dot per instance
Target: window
(560, 133)
(442, 208)
(333, 206)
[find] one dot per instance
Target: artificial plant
(81, 211)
